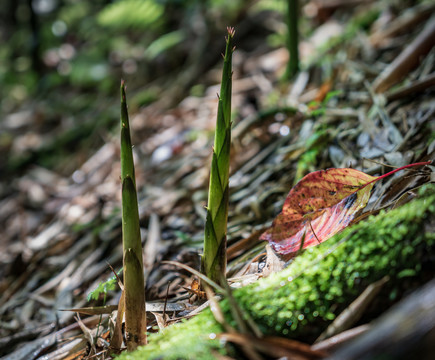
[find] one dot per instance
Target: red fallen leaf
(320, 205)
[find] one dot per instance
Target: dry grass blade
(407, 20)
(244, 322)
(413, 88)
(337, 340)
(117, 339)
(219, 316)
(120, 284)
(94, 310)
(195, 272)
(88, 333)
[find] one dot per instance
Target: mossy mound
(301, 300)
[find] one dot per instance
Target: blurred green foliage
(62, 60)
(164, 43)
(131, 14)
(57, 53)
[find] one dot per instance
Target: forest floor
(60, 232)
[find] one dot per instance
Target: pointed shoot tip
(123, 87)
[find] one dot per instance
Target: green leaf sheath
(127, 165)
(224, 109)
(135, 319)
(134, 287)
(130, 217)
(214, 260)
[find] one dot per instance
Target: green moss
(186, 340)
(318, 285)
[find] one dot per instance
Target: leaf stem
(396, 170)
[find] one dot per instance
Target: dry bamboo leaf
(408, 59)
